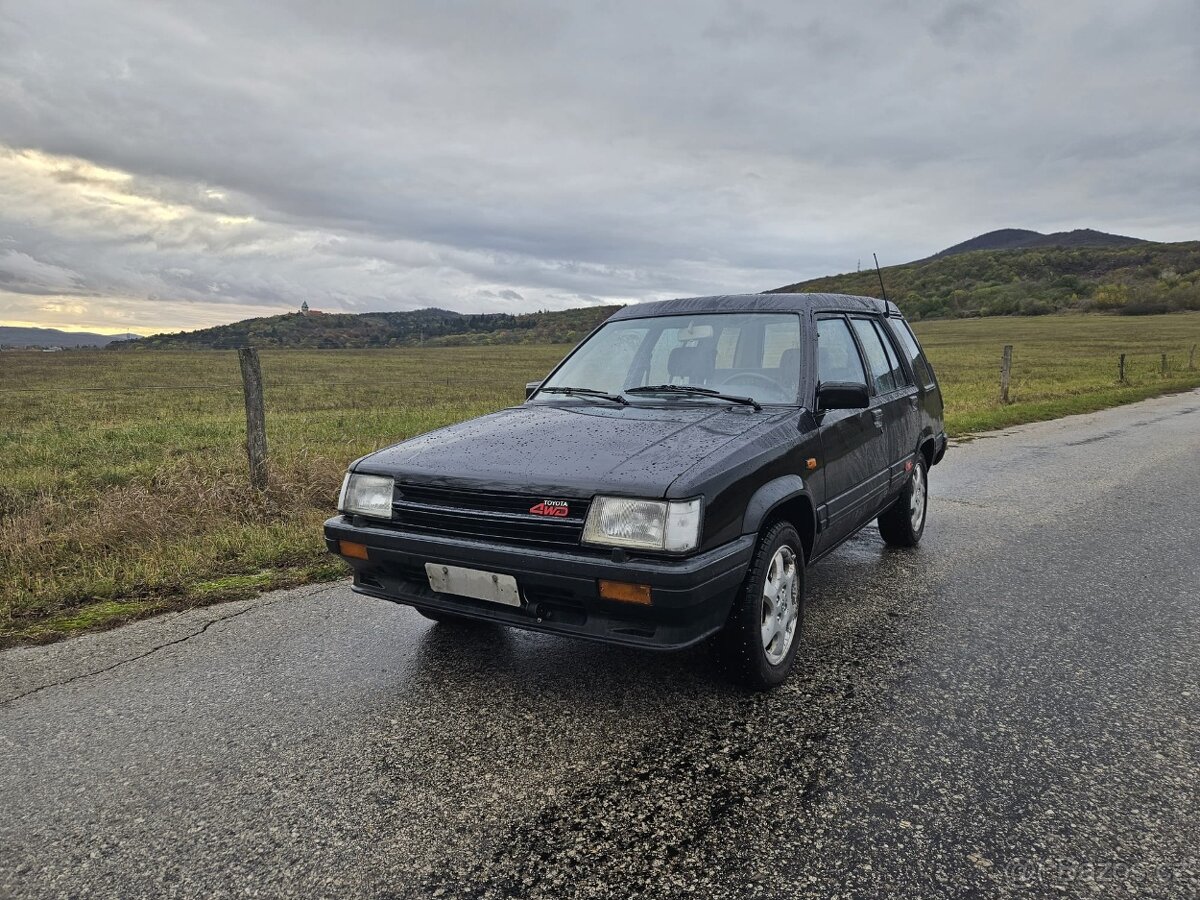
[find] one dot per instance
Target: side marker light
(625, 592)
(351, 549)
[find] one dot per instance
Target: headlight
(367, 495)
(646, 524)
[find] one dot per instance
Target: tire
(759, 660)
(903, 523)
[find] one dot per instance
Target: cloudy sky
(174, 165)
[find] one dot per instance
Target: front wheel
(759, 641)
(903, 523)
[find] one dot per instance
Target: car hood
(571, 449)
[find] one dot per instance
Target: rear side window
(877, 358)
(837, 354)
(912, 349)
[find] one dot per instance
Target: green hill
(438, 327)
(1135, 279)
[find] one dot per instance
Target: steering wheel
(757, 377)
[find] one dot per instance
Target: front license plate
(487, 586)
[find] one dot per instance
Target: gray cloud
(178, 164)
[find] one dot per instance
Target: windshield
(749, 354)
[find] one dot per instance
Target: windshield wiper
(586, 392)
(693, 389)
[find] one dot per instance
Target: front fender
(773, 494)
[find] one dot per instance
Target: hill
(1023, 239)
(11, 336)
(438, 327)
(1007, 272)
(1138, 278)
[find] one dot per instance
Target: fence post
(1005, 372)
(1192, 358)
(1121, 368)
(256, 426)
(1164, 365)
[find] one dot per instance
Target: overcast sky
(174, 165)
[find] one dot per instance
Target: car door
(852, 440)
(895, 399)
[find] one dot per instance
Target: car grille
(490, 515)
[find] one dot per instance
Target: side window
(837, 354)
(877, 358)
(912, 349)
(899, 374)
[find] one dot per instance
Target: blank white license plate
(473, 583)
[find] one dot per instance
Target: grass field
(123, 488)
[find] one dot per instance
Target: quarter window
(912, 349)
(877, 358)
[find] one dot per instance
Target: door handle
(878, 414)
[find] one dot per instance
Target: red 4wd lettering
(556, 508)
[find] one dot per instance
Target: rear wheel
(903, 523)
(759, 641)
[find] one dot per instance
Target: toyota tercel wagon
(666, 484)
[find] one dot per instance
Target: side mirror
(842, 395)
(530, 387)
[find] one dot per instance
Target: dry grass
(119, 498)
(135, 493)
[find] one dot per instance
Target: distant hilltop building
(305, 311)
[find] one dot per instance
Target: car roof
(725, 303)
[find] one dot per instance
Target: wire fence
(386, 395)
(225, 398)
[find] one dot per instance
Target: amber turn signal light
(349, 548)
(625, 592)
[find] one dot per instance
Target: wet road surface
(1013, 709)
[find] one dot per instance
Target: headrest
(694, 363)
(789, 363)
(682, 361)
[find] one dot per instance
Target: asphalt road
(1013, 709)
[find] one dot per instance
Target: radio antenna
(879, 272)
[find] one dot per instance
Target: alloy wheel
(780, 605)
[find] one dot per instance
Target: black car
(668, 482)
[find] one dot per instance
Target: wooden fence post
(256, 426)
(1192, 358)
(1005, 372)
(1121, 368)
(1164, 365)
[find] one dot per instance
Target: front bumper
(691, 597)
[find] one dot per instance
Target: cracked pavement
(1010, 710)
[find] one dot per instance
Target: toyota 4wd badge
(557, 508)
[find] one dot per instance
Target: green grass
(119, 498)
(1062, 365)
